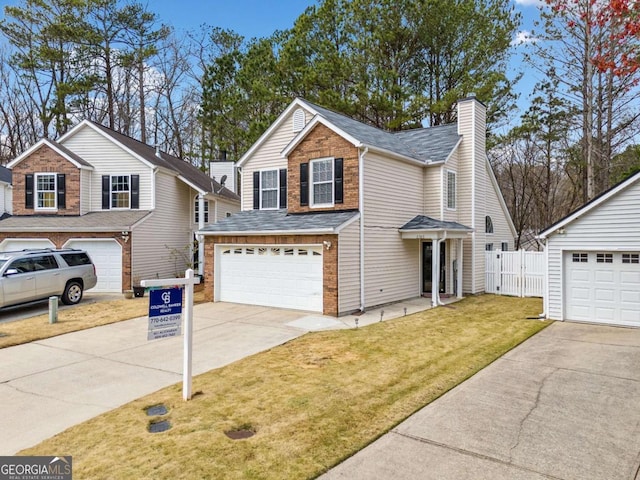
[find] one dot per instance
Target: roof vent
(298, 120)
(158, 151)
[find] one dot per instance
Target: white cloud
(530, 3)
(523, 37)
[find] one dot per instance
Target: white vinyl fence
(519, 274)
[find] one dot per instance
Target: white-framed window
(488, 224)
(505, 246)
(120, 191)
(451, 190)
(488, 247)
(321, 182)
(269, 188)
(631, 258)
(197, 211)
(45, 189)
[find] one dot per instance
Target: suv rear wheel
(72, 293)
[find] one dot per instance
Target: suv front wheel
(72, 293)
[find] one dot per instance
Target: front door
(427, 270)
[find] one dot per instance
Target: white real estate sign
(165, 313)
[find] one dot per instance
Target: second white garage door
(275, 276)
(603, 287)
(107, 257)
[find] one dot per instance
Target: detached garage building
(593, 260)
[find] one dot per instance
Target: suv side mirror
(11, 271)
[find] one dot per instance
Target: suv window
(34, 264)
(74, 259)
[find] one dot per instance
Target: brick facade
(60, 238)
(329, 261)
(319, 143)
(46, 160)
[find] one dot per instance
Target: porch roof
(422, 226)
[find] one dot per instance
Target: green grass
(313, 402)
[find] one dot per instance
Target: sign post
(189, 281)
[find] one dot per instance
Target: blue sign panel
(165, 313)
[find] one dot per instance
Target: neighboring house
(593, 259)
(5, 191)
(338, 216)
(133, 208)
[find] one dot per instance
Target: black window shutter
(304, 184)
(28, 190)
(106, 187)
(283, 188)
(62, 191)
(135, 191)
(256, 190)
(338, 194)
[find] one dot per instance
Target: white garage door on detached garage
(603, 287)
(106, 255)
(283, 276)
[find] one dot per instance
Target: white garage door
(10, 244)
(107, 257)
(603, 287)
(275, 276)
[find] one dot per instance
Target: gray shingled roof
(422, 222)
(106, 221)
(194, 175)
(279, 221)
(423, 144)
(5, 175)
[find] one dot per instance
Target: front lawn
(312, 402)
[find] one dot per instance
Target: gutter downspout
(200, 238)
(361, 204)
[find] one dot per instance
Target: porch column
(459, 272)
(435, 272)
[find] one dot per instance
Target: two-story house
(338, 216)
(134, 208)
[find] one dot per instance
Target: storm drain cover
(157, 427)
(239, 434)
(157, 410)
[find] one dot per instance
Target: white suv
(30, 275)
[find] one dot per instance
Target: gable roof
(591, 204)
(60, 149)
(268, 222)
(423, 145)
(192, 175)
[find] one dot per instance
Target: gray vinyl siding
(393, 195)
(108, 158)
(85, 191)
(612, 225)
(432, 192)
(268, 156)
(160, 244)
(349, 269)
(222, 207)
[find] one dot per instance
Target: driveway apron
(564, 405)
(53, 384)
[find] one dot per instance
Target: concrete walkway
(50, 385)
(563, 405)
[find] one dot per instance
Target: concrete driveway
(50, 385)
(564, 405)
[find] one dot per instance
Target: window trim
(332, 182)
(488, 225)
(111, 192)
(276, 188)
(453, 174)
(36, 191)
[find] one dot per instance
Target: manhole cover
(239, 434)
(157, 427)
(156, 410)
